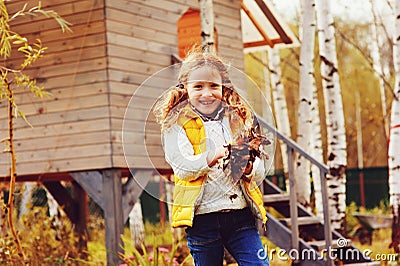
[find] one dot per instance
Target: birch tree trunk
(394, 137)
(54, 211)
(207, 25)
(336, 158)
(266, 106)
(52, 204)
(278, 96)
(26, 199)
(317, 153)
(376, 59)
(177, 233)
(136, 225)
(316, 150)
(307, 83)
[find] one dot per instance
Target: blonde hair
(168, 106)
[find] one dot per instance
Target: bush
(159, 249)
(49, 240)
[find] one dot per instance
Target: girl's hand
(214, 155)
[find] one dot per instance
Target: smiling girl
(199, 118)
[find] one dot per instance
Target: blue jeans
(236, 230)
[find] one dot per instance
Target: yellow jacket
(187, 194)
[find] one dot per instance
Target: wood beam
(63, 198)
(133, 189)
(257, 25)
(49, 177)
(90, 181)
(261, 43)
(267, 12)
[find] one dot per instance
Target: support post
(113, 214)
(293, 201)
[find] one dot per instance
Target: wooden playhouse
(92, 73)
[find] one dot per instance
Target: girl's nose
(207, 91)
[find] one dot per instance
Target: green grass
(97, 251)
(380, 245)
(381, 238)
(154, 236)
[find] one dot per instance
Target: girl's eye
(197, 86)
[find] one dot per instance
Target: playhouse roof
(262, 27)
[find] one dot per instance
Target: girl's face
(205, 89)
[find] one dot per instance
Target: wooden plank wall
(92, 74)
(71, 130)
(141, 36)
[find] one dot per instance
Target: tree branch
(13, 173)
(269, 69)
(368, 60)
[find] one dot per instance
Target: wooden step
(272, 198)
(304, 220)
(336, 243)
(372, 263)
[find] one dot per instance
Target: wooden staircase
(303, 236)
(312, 249)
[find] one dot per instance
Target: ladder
(302, 236)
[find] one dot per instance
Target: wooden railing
(323, 169)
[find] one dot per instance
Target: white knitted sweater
(219, 192)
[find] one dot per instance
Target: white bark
(387, 18)
(317, 153)
(207, 25)
(280, 106)
(177, 233)
(307, 83)
(316, 150)
(376, 58)
(52, 204)
(169, 193)
(26, 199)
(136, 225)
(54, 209)
(336, 158)
(266, 106)
(394, 140)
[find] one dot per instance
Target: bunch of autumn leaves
(243, 152)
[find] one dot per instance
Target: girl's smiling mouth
(207, 102)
